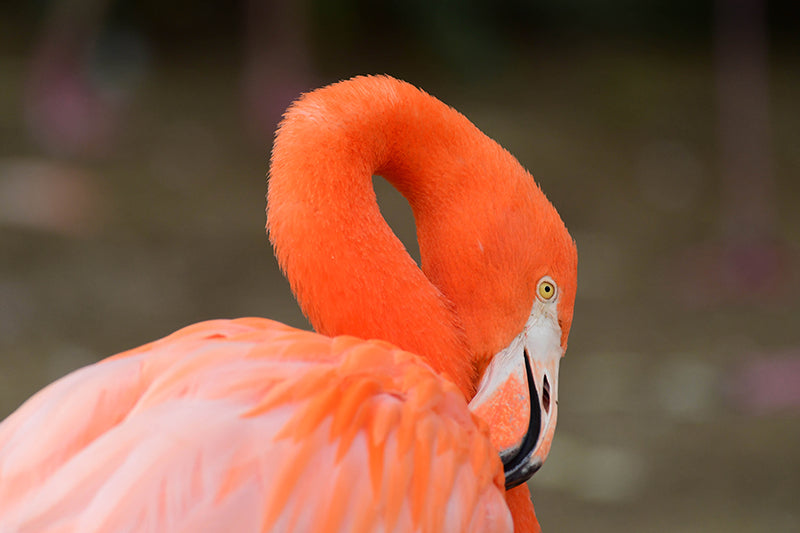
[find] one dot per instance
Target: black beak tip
(521, 474)
(518, 466)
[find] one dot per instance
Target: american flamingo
(250, 425)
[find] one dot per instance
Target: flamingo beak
(518, 395)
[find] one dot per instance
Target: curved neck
(350, 273)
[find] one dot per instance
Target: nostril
(546, 395)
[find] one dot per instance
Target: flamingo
(424, 400)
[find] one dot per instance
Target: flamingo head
(517, 394)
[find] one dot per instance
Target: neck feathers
(351, 274)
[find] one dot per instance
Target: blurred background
(134, 144)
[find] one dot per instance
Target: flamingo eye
(546, 290)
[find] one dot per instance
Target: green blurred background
(134, 143)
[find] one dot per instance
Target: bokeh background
(134, 144)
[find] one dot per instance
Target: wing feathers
(249, 425)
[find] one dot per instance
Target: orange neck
(351, 274)
(521, 507)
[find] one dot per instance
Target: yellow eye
(546, 290)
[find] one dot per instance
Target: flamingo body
(252, 426)
(226, 425)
